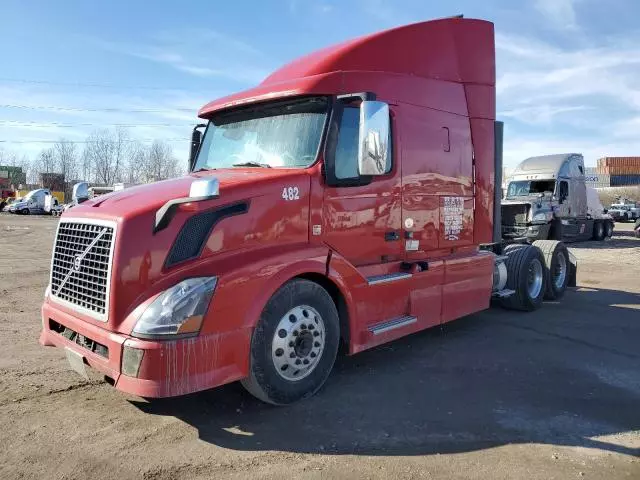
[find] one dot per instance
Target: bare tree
(106, 150)
(45, 162)
(66, 158)
(161, 164)
(136, 163)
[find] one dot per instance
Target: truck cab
(546, 198)
(347, 199)
(33, 202)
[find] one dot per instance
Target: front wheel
(25, 211)
(294, 345)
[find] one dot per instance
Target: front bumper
(168, 368)
(530, 232)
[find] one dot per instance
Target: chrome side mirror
(373, 139)
(80, 192)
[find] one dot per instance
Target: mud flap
(573, 271)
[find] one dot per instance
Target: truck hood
(141, 199)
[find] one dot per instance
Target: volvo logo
(77, 261)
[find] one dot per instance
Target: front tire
(294, 344)
(526, 275)
(25, 211)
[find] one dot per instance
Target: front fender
(247, 282)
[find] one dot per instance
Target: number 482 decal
(291, 193)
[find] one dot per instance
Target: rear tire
(598, 231)
(294, 344)
(608, 229)
(526, 275)
(556, 262)
(636, 228)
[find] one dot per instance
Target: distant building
(10, 175)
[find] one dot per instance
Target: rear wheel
(598, 230)
(526, 275)
(608, 229)
(294, 345)
(556, 262)
(636, 228)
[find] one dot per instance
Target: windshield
(28, 196)
(277, 135)
(525, 188)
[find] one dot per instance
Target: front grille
(515, 214)
(81, 265)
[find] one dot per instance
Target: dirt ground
(553, 394)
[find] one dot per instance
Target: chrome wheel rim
(560, 271)
(534, 279)
(298, 343)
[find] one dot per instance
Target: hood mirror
(373, 140)
(80, 192)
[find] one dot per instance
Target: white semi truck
(35, 202)
(547, 198)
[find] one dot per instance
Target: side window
(563, 191)
(346, 157)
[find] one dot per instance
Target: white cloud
(557, 99)
(561, 13)
(200, 52)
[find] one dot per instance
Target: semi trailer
(547, 198)
(348, 200)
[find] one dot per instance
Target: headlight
(178, 310)
(541, 217)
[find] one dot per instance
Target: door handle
(391, 236)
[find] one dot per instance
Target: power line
(73, 109)
(18, 123)
(84, 142)
(81, 84)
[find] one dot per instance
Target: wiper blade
(252, 164)
(203, 169)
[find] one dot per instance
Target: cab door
(362, 217)
(362, 222)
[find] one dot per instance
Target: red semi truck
(348, 199)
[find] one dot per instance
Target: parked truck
(547, 198)
(347, 199)
(38, 201)
(624, 211)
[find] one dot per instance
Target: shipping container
(621, 170)
(624, 180)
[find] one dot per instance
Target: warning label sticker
(453, 214)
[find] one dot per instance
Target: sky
(567, 70)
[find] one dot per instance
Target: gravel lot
(551, 394)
